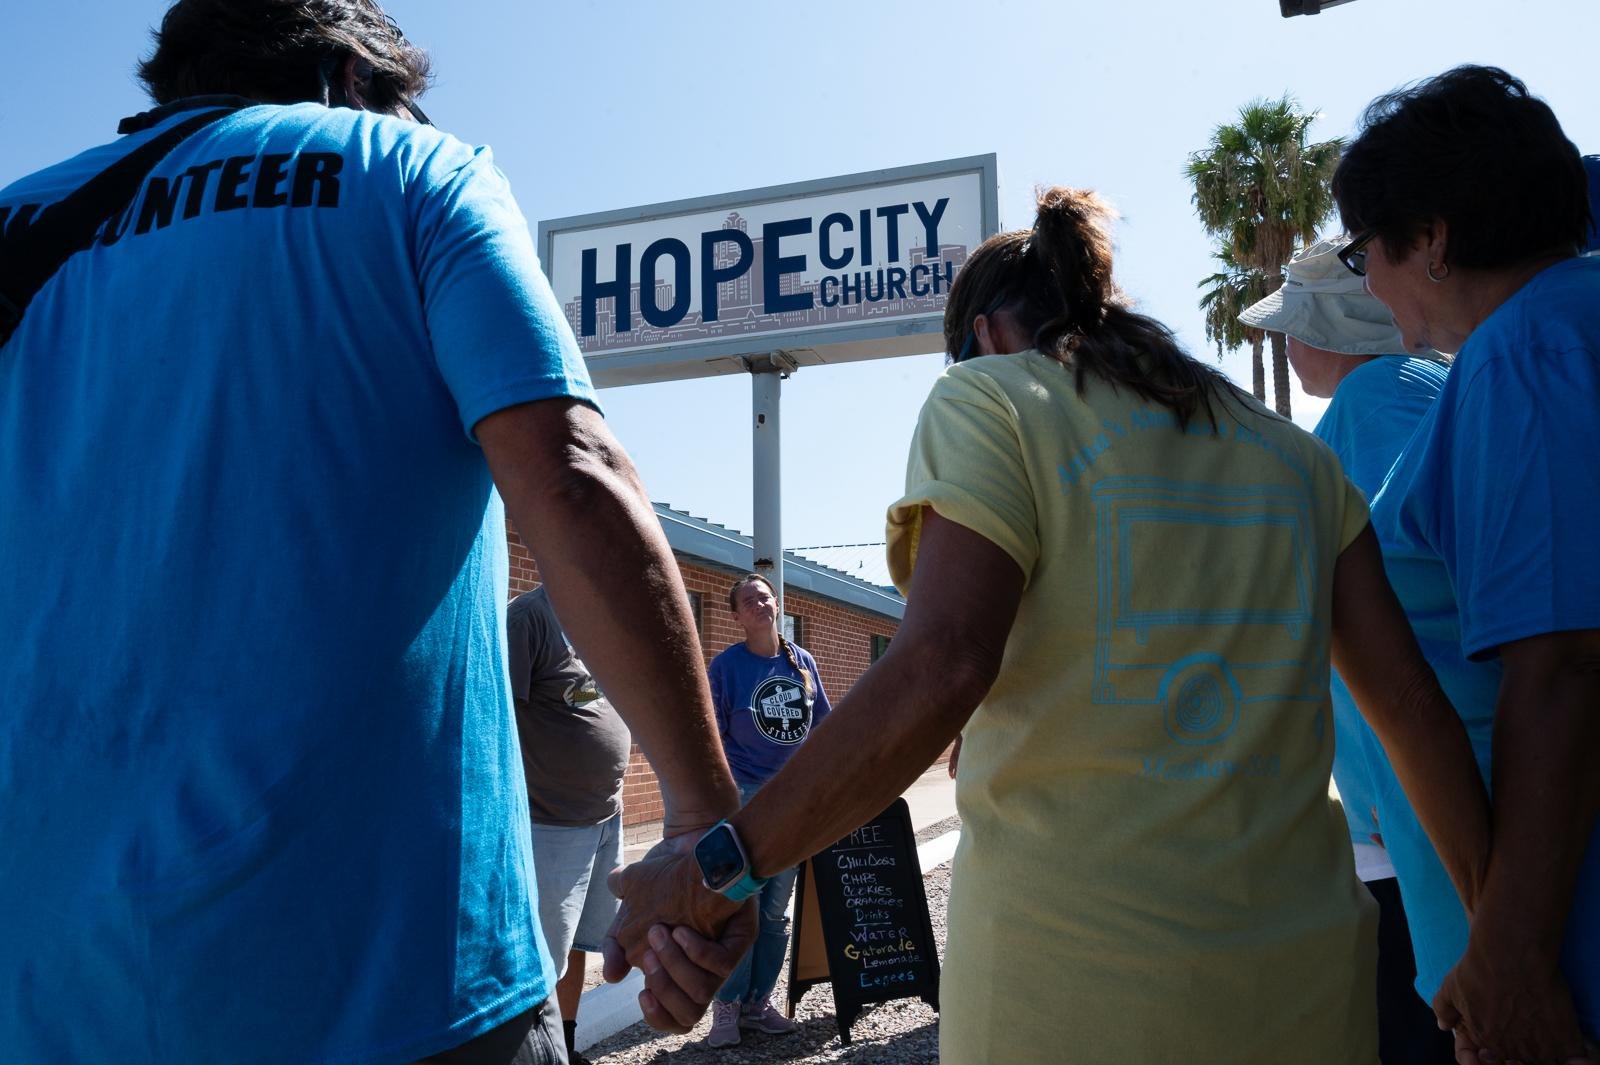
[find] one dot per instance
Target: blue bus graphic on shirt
(1164, 643)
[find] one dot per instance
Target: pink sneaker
(764, 1017)
(724, 1025)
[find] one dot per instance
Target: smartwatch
(724, 865)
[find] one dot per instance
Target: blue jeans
(757, 972)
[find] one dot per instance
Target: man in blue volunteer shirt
(1341, 344)
(260, 791)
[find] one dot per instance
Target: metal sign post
(766, 440)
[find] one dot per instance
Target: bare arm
(574, 494)
(904, 711)
(1508, 990)
(890, 727)
(1546, 792)
(1377, 656)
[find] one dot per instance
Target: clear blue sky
(598, 105)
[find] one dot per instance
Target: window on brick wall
(794, 629)
(880, 645)
(697, 607)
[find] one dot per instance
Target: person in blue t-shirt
(261, 800)
(1469, 204)
(768, 697)
(1591, 170)
(1340, 344)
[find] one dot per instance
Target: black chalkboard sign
(862, 921)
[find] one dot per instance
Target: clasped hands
(1506, 1007)
(682, 936)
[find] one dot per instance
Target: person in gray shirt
(575, 751)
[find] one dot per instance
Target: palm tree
(1259, 188)
(1227, 293)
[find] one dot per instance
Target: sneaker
(764, 1017)
(724, 1025)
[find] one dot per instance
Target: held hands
(683, 970)
(1508, 1011)
(663, 887)
(685, 938)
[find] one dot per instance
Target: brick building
(845, 622)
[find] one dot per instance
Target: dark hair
(279, 51)
(1055, 279)
(783, 644)
(1473, 149)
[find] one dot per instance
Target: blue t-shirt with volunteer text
(1487, 525)
(1373, 413)
(763, 709)
(263, 801)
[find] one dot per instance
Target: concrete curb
(608, 1009)
(937, 851)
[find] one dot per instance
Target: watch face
(721, 861)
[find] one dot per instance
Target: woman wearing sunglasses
(1123, 578)
(1470, 205)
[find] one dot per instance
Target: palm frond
(1260, 187)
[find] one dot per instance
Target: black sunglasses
(416, 112)
(333, 92)
(1354, 254)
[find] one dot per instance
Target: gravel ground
(939, 828)
(906, 1030)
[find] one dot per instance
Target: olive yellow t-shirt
(1150, 867)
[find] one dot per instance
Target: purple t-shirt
(763, 711)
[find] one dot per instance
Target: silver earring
(1436, 279)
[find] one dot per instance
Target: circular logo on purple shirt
(781, 710)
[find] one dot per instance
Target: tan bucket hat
(1323, 304)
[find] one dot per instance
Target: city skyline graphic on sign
(740, 301)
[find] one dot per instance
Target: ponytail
(794, 663)
(1055, 279)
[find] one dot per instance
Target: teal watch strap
(724, 864)
(747, 885)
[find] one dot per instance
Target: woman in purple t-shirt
(768, 695)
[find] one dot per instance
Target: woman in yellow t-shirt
(1124, 580)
